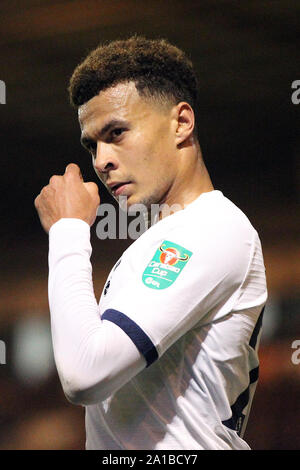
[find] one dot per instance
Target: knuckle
(54, 179)
(44, 190)
(37, 201)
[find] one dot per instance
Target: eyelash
(117, 129)
(115, 133)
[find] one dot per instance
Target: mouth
(118, 188)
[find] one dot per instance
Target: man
(168, 359)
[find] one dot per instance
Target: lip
(118, 188)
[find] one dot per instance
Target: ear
(185, 122)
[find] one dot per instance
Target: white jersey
(168, 359)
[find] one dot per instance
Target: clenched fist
(67, 196)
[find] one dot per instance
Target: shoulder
(214, 233)
(213, 221)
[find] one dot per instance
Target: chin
(126, 202)
(129, 203)
(134, 205)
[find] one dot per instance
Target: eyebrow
(84, 139)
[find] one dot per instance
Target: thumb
(74, 169)
(92, 189)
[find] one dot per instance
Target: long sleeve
(93, 357)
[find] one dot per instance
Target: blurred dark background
(246, 55)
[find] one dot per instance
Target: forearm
(93, 357)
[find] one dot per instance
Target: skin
(148, 145)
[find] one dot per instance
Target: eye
(115, 133)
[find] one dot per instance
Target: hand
(67, 196)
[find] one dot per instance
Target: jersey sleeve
(93, 358)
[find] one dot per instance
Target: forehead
(121, 100)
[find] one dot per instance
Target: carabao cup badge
(166, 265)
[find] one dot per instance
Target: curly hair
(158, 69)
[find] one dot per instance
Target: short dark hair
(158, 69)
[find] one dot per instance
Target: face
(132, 143)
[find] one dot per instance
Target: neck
(191, 181)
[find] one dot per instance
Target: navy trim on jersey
(135, 333)
(237, 417)
(253, 339)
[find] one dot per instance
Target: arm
(89, 353)
(93, 357)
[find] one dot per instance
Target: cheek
(149, 155)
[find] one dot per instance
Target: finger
(55, 180)
(91, 187)
(74, 169)
(37, 202)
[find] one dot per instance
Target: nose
(105, 160)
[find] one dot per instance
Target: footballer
(167, 358)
